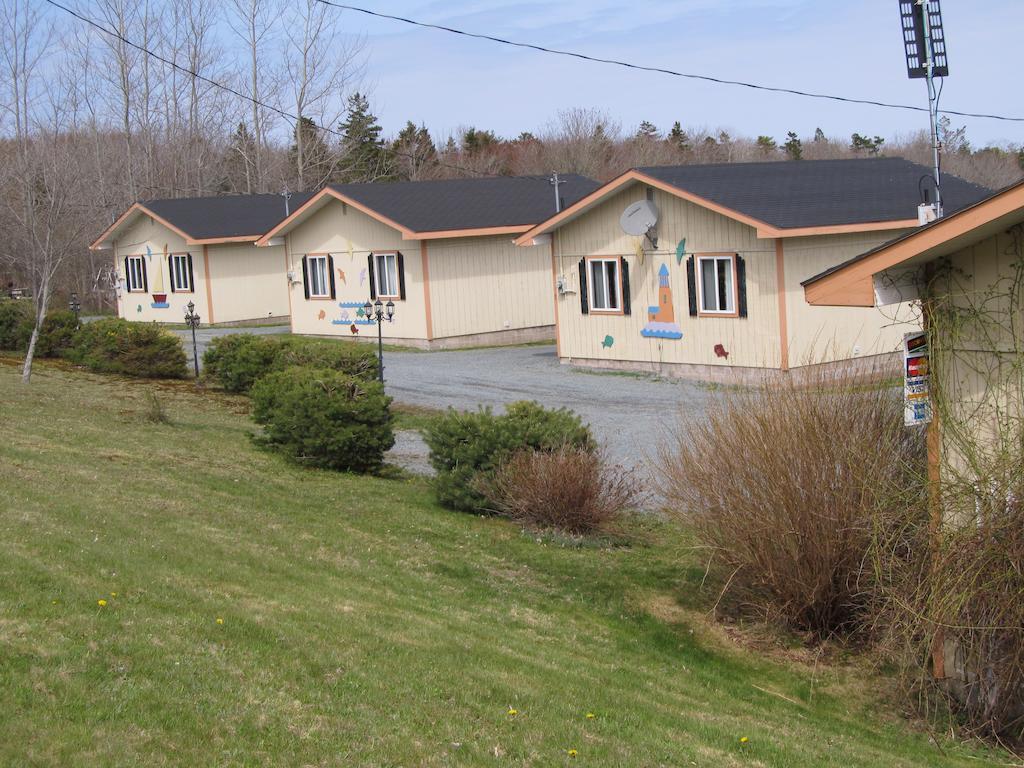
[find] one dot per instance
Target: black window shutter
(305, 275)
(127, 275)
(170, 270)
(145, 277)
(400, 266)
(626, 301)
(191, 276)
(691, 286)
(741, 285)
(584, 308)
(330, 270)
(373, 281)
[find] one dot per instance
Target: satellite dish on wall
(639, 218)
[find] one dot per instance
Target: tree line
(90, 123)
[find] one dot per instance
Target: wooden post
(933, 443)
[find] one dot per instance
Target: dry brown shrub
(786, 481)
(963, 592)
(570, 489)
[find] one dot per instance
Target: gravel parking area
(629, 413)
(205, 335)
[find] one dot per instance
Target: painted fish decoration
(607, 343)
(354, 328)
(321, 315)
(680, 251)
(341, 275)
(720, 351)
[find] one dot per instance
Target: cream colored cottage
(167, 253)
(713, 290)
(441, 251)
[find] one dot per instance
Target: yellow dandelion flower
(113, 594)
(744, 739)
(101, 602)
(591, 715)
(512, 712)
(220, 620)
(572, 753)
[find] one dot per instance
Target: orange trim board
(426, 289)
(780, 291)
(209, 287)
(764, 229)
(851, 284)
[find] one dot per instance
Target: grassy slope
(362, 625)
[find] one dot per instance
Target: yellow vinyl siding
(488, 284)
(146, 233)
(350, 236)
(818, 334)
(247, 283)
(750, 341)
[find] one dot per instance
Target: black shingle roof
(814, 193)
(500, 201)
(226, 215)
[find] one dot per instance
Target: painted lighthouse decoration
(661, 320)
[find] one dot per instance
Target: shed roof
(795, 197)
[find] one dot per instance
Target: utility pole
(555, 182)
(933, 102)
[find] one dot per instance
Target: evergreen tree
(647, 131)
(313, 164)
(793, 147)
(414, 152)
(819, 136)
(860, 143)
(475, 140)
(678, 138)
(240, 162)
(766, 144)
(364, 154)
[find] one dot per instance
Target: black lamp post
(75, 305)
(192, 320)
(379, 312)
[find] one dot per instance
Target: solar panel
(912, 19)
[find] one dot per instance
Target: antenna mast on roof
(924, 43)
(554, 181)
(287, 196)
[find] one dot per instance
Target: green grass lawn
(362, 624)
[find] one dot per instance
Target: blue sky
(851, 48)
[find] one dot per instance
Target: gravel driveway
(628, 412)
(205, 335)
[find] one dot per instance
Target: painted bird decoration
(341, 275)
(354, 328)
(720, 351)
(362, 276)
(680, 251)
(321, 315)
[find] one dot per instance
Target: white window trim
(699, 277)
(128, 277)
(185, 286)
(380, 258)
(310, 260)
(617, 261)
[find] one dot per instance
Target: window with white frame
(385, 275)
(605, 285)
(319, 278)
(717, 283)
(135, 274)
(181, 273)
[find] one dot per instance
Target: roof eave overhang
(852, 284)
(763, 229)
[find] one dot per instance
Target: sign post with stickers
(917, 405)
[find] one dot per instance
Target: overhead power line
(659, 70)
(277, 110)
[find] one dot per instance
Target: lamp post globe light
(378, 312)
(75, 305)
(192, 320)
